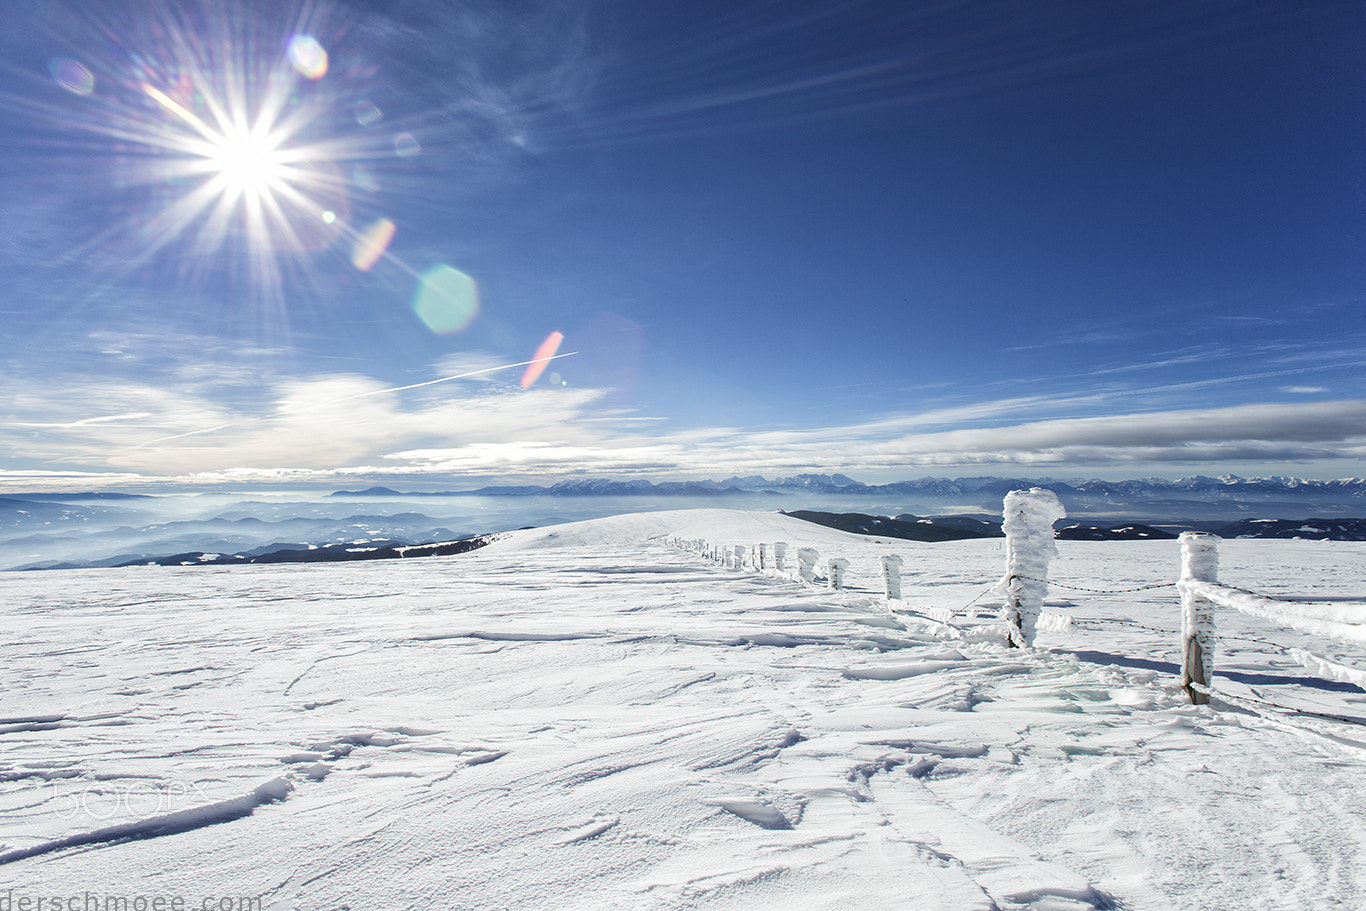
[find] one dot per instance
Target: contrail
(358, 395)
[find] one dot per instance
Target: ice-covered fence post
(739, 551)
(806, 564)
(834, 572)
(1028, 524)
(891, 576)
(780, 557)
(761, 557)
(1199, 563)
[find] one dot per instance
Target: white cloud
(328, 428)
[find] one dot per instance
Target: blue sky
(888, 239)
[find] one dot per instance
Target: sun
(248, 164)
(233, 147)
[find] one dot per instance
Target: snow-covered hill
(105, 529)
(585, 716)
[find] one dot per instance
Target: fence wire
(1234, 697)
(1176, 632)
(1097, 591)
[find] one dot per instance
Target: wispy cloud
(331, 428)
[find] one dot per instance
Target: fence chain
(986, 591)
(1267, 642)
(1084, 621)
(1098, 591)
(1151, 629)
(1276, 705)
(1248, 591)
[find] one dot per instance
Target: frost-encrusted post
(891, 576)
(834, 572)
(806, 564)
(738, 551)
(1028, 524)
(780, 557)
(1199, 563)
(761, 557)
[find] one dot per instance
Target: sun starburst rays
(226, 155)
(246, 163)
(248, 171)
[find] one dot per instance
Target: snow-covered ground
(585, 716)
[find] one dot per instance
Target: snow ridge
(273, 791)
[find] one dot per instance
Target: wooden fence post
(834, 572)
(806, 564)
(1028, 523)
(891, 576)
(780, 557)
(1199, 563)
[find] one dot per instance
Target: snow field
(583, 716)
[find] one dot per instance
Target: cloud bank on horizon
(255, 242)
(339, 428)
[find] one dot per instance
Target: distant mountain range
(96, 529)
(1199, 487)
(328, 553)
(81, 536)
(1199, 497)
(958, 528)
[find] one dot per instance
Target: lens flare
(371, 243)
(72, 76)
(447, 300)
(307, 57)
(367, 113)
(543, 356)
